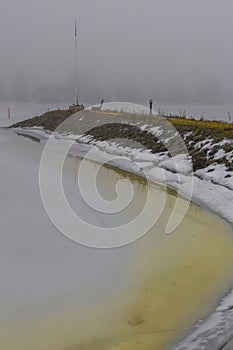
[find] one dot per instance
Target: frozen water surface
(56, 294)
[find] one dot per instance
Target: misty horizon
(22, 90)
(127, 51)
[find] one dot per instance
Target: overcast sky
(170, 50)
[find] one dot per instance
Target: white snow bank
(217, 174)
(209, 187)
(212, 333)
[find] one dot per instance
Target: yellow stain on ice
(172, 281)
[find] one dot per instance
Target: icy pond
(58, 295)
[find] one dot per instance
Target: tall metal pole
(76, 64)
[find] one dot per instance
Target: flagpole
(76, 64)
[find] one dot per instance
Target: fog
(173, 51)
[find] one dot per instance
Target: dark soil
(116, 126)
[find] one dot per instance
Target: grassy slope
(217, 127)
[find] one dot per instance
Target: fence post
(151, 106)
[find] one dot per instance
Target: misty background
(128, 50)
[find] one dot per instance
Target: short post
(101, 103)
(151, 105)
(9, 113)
